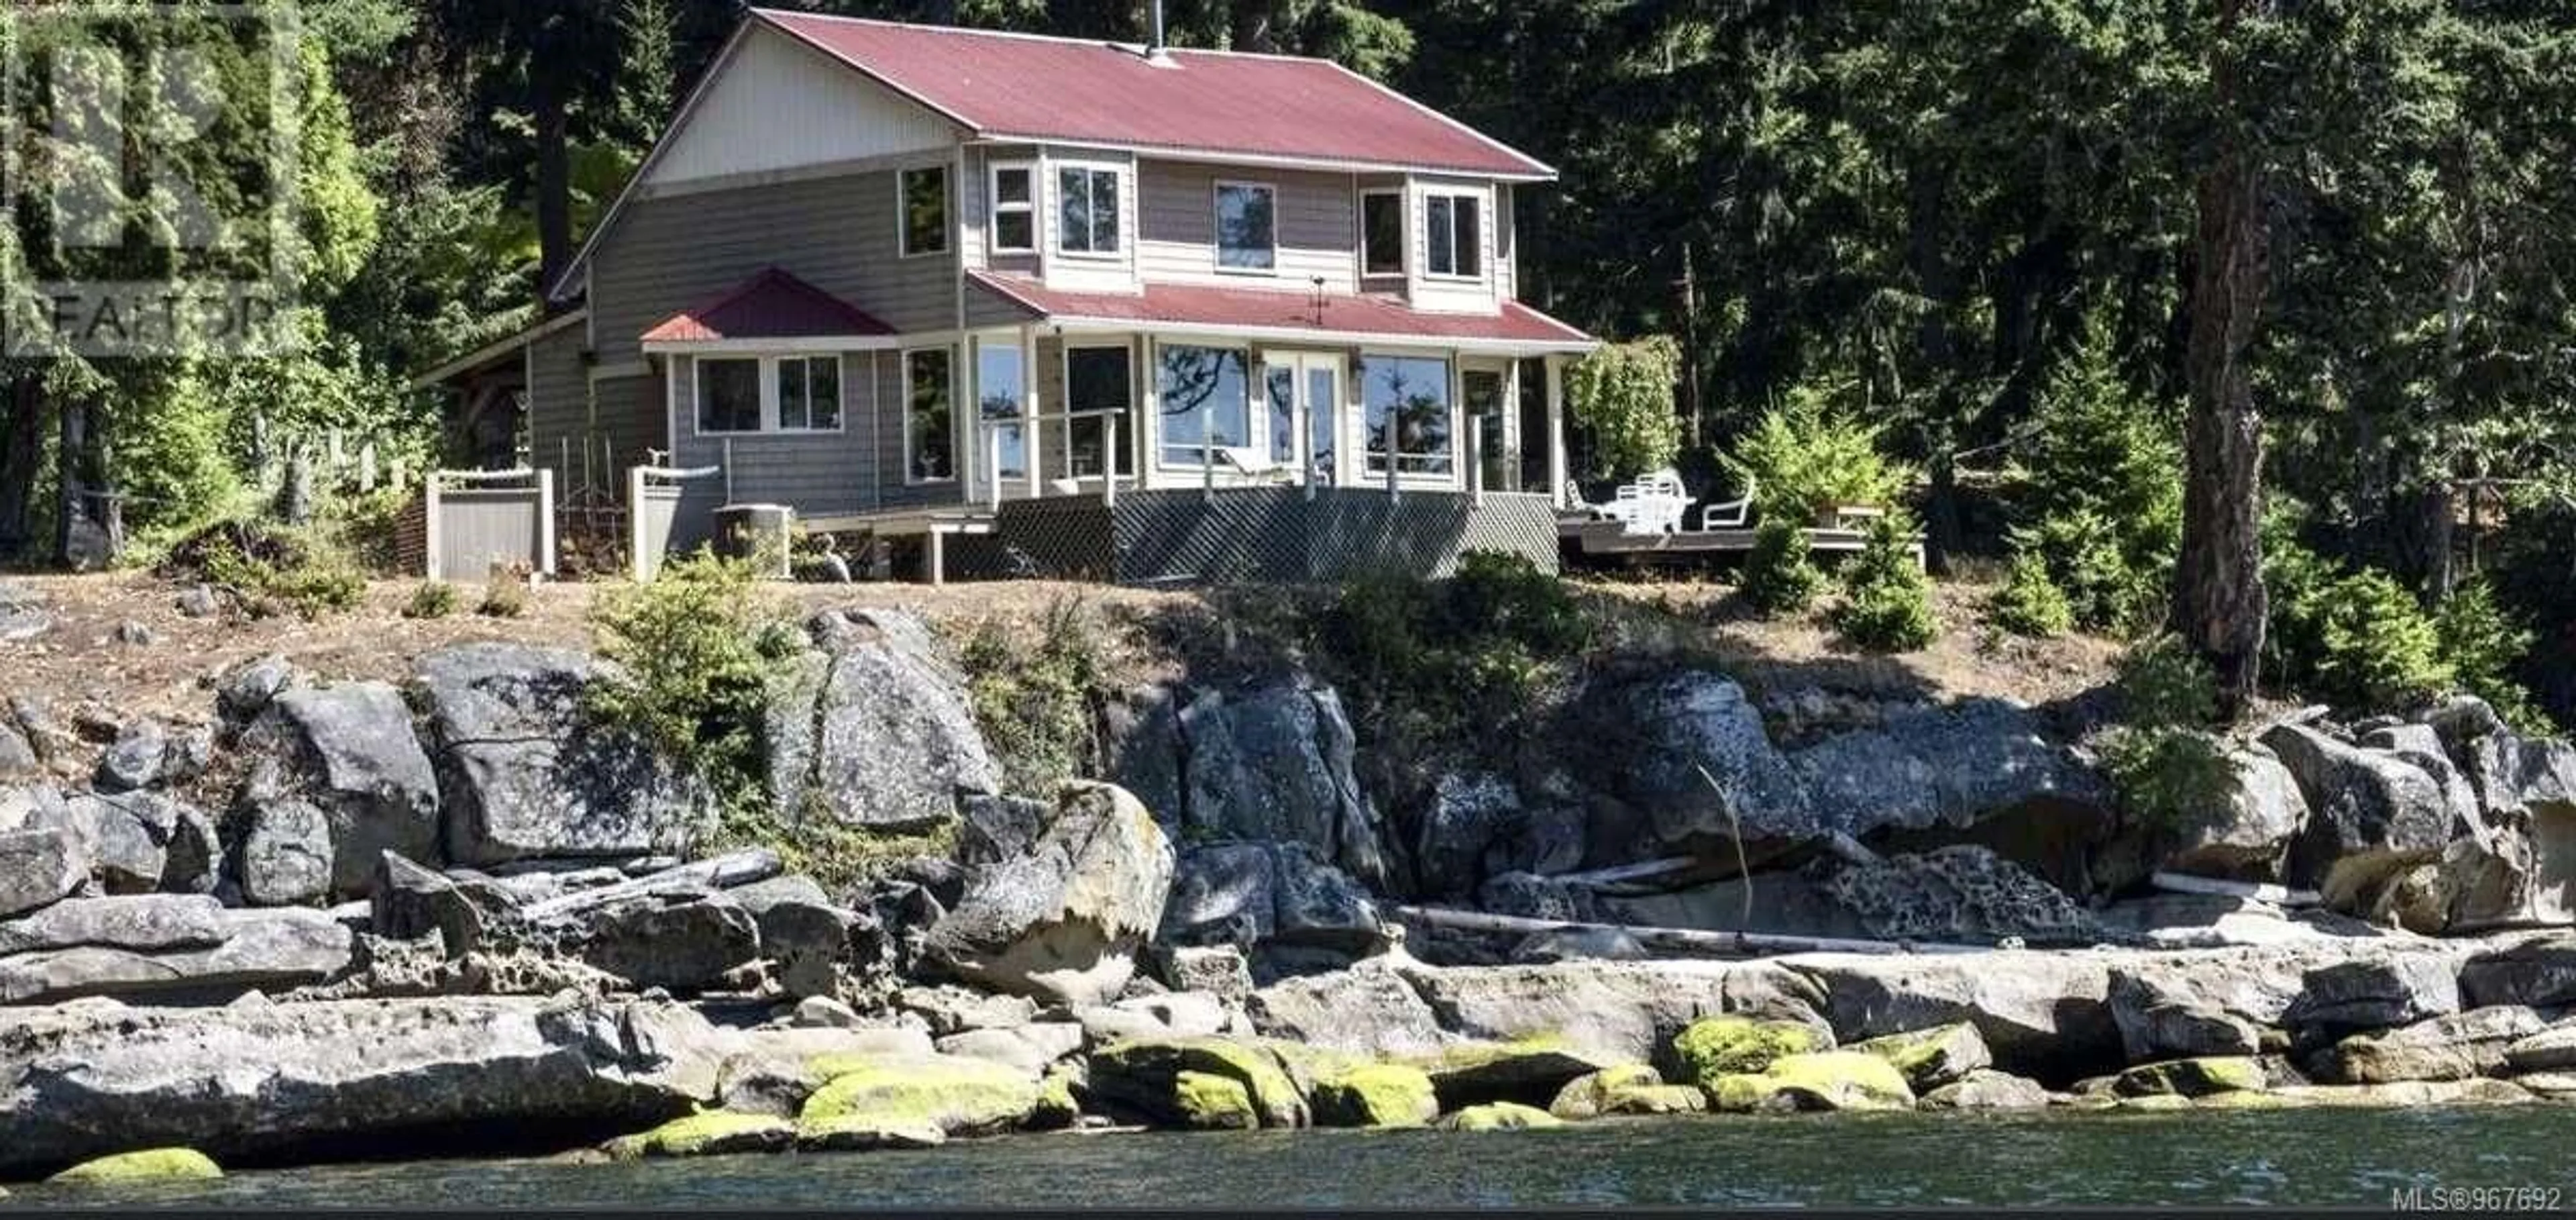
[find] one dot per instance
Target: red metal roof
(1182, 306)
(1023, 86)
(770, 305)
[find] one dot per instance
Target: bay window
(1247, 237)
(1087, 210)
(1454, 235)
(1206, 397)
(1407, 400)
(929, 417)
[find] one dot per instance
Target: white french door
(1301, 401)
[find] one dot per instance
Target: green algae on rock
(711, 1133)
(1209, 1102)
(147, 1165)
(1141, 1074)
(1821, 1080)
(2192, 1077)
(1632, 1088)
(1729, 1046)
(958, 1096)
(1931, 1058)
(1376, 1095)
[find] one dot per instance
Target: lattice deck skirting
(1260, 535)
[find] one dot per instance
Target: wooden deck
(1611, 539)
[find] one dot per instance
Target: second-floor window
(1454, 233)
(925, 210)
(1087, 210)
(1015, 210)
(1382, 233)
(1247, 232)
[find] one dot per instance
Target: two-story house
(1140, 313)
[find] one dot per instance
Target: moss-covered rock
(1628, 1089)
(860, 1133)
(712, 1133)
(2156, 1101)
(1986, 1089)
(1528, 1070)
(1716, 1047)
(1376, 1095)
(1209, 1102)
(1500, 1116)
(958, 1096)
(1931, 1058)
(1821, 1080)
(1059, 1103)
(2192, 1077)
(147, 1165)
(1141, 1076)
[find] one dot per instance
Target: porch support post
(1556, 430)
(1029, 407)
(934, 554)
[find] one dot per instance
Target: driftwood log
(1678, 940)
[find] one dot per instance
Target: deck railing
(991, 446)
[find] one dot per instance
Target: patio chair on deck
(1732, 514)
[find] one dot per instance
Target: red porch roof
(1207, 307)
(1017, 86)
(770, 305)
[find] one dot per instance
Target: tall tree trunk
(22, 451)
(1691, 405)
(2219, 601)
(1927, 217)
(69, 505)
(554, 177)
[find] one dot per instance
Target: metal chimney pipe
(1156, 48)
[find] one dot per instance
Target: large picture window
(728, 396)
(1000, 382)
(1015, 212)
(1408, 413)
(1247, 236)
(1455, 231)
(1206, 400)
(929, 416)
(925, 210)
(1087, 210)
(1382, 233)
(809, 394)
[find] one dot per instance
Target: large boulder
(141, 842)
(1607, 1012)
(256, 950)
(873, 727)
(1141, 1077)
(1275, 764)
(1368, 1010)
(1949, 767)
(2538, 972)
(1960, 894)
(135, 759)
(1469, 813)
(803, 933)
(682, 942)
(1824, 1080)
(2370, 814)
(273, 1081)
(1064, 922)
(2043, 1014)
(2240, 1001)
(38, 867)
(285, 857)
(2246, 837)
(957, 1096)
(2460, 1046)
(1267, 895)
(348, 751)
(144, 923)
(1689, 747)
(527, 772)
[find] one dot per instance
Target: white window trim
(1216, 234)
(1484, 226)
(993, 213)
(1118, 172)
(1403, 233)
(903, 213)
(1004, 341)
(909, 478)
(1129, 435)
(769, 398)
(1255, 409)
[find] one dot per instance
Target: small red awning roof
(1208, 307)
(769, 305)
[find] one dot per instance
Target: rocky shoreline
(356, 920)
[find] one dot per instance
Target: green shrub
(431, 599)
(2030, 604)
(2378, 649)
(2483, 645)
(2103, 501)
(1780, 575)
(1461, 657)
(1802, 459)
(1887, 603)
(281, 572)
(692, 652)
(1622, 396)
(1503, 596)
(2164, 684)
(1039, 705)
(505, 595)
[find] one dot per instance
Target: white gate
(475, 519)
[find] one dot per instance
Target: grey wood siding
(1316, 222)
(558, 402)
(890, 469)
(838, 233)
(628, 418)
(816, 473)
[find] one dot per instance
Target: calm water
(2343, 1157)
